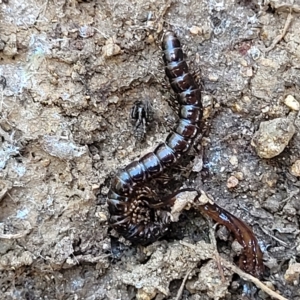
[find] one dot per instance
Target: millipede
(134, 212)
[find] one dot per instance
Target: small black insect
(141, 115)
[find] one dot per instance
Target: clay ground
(73, 70)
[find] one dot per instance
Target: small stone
(236, 247)
(272, 204)
(101, 216)
(239, 175)
(292, 273)
(233, 160)
(196, 30)
(86, 31)
(113, 99)
(213, 77)
(95, 187)
(223, 233)
(198, 164)
(62, 148)
(45, 162)
(292, 103)
(143, 294)
(289, 210)
(150, 39)
(232, 182)
(110, 49)
(235, 285)
(273, 136)
(106, 247)
(237, 108)
(265, 109)
(295, 168)
(254, 53)
(249, 72)
(70, 261)
(128, 35)
(243, 62)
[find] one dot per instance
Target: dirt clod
(273, 136)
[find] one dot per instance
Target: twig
(274, 237)
(252, 279)
(158, 21)
(3, 85)
(281, 36)
(180, 291)
(217, 255)
(163, 11)
(14, 236)
(213, 241)
(28, 229)
(225, 263)
(291, 195)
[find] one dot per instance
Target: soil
(70, 73)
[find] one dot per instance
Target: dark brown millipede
(137, 215)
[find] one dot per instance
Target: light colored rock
(273, 136)
(232, 182)
(292, 103)
(110, 48)
(295, 168)
(196, 30)
(292, 273)
(234, 160)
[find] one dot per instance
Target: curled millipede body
(134, 214)
(138, 215)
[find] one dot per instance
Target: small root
(180, 291)
(252, 279)
(282, 35)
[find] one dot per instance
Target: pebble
(196, 30)
(213, 77)
(292, 103)
(110, 49)
(113, 99)
(236, 247)
(254, 53)
(295, 168)
(272, 204)
(273, 136)
(101, 216)
(150, 39)
(239, 175)
(233, 160)
(292, 273)
(62, 148)
(232, 182)
(145, 295)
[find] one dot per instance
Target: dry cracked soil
(70, 73)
